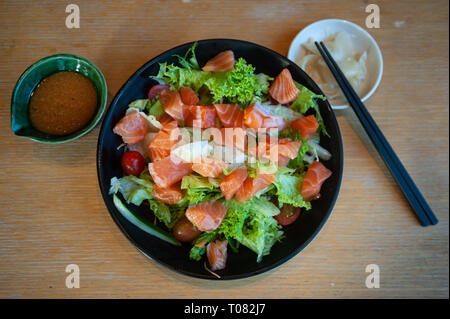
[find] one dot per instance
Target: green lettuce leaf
(288, 187)
(137, 189)
(240, 85)
(258, 167)
(155, 108)
(161, 211)
(199, 189)
(140, 104)
(167, 214)
(133, 189)
(177, 77)
(196, 253)
(307, 100)
(252, 224)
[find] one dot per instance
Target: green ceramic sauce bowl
(28, 81)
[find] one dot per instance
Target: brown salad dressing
(63, 103)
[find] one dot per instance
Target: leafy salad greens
(251, 223)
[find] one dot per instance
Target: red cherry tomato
(288, 214)
(133, 163)
(156, 90)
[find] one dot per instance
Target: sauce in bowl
(63, 103)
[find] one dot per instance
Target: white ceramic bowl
(362, 41)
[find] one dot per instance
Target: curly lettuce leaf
(288, 187)
(199, 189)
(240, 85)
(161, 211)
(307, 100)
(196, 252)
(252, 224)
(177, 77)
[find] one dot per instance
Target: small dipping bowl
(29, 80)
(361, 40)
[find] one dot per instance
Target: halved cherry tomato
(156, 90)
(288, 214)
(133, 163)
(185, 231)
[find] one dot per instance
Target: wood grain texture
(52, 213)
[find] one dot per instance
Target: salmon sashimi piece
(169, 170)
(307, 126)
(209, 167)
(283, 150)
(265, 151)
(283, 88)
(188, 96)
(201, 116)
(164, 119)
(230, 137)
(171, 100)
(231, 183)
(132, 127)
(222, 62)
(252, 186)
(283, 160)
(216, 253)
(289, 149)
(164, 141)
(315, 176)
(258, 116)
(206, 216)
(169, 195)
(230, 115)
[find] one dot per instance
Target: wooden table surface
(52, 213)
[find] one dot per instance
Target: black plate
(243, 264)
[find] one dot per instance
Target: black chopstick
(410, 190)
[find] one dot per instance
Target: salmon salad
(225, 158)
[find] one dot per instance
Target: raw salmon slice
(283, 88)
(315, 176)
(164, 119)
(162, 144)
(230, 115)
(289, 149)
(230, 137)
(222, 62)
(171, 100)
(169, 170)
(132, 127)
(252, 186)
(206, 216)
(169, 195)
(284, 150)
(216, 253)
(307, 126)
(283, 160)
(188, 96)
(264, 151)
(231, 183)
(209, 167)
(257, 116)
(201, 116)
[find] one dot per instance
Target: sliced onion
(321, 152)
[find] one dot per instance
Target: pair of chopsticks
(398, 171)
